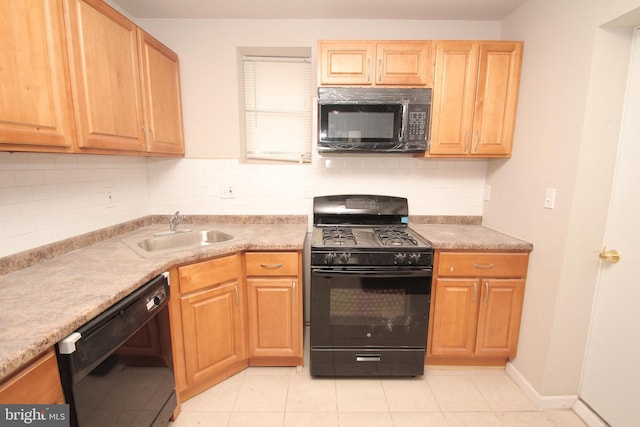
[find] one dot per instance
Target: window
(277, 110)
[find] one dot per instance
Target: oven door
(372, 308)
(360, 126)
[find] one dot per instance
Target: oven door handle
(424, 272)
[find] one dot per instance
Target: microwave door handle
(405, 119)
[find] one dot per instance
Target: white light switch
(550, 198)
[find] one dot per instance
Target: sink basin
(164, 243)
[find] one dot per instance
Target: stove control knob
(414, 258)
(329, 257)
(344, 257)
(399, 258)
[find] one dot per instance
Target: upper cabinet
(160, 73)
(375, 63)
(36, 112)
(475, 94)
(126, 83)
(82, 78)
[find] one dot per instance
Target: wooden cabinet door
(107, 79)
(213, 328)
(161, 87)
(403, 63)
(275, 317)
(345, 62)
(455, 312)
(454, 92)
(497, 97)
(38, 383)
(499, 317)
(35, 101)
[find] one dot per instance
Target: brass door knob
(610, 255)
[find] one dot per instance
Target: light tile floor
(443, 397)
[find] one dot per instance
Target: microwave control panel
(417, 125)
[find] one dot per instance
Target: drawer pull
(271, 266)
(483, 266)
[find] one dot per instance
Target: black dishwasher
(117, 370)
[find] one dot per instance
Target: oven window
(348, 304)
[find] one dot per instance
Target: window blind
(277, 108)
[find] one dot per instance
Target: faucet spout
(175, 220)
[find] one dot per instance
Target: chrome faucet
(175, 220)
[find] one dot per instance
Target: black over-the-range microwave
(371, 120)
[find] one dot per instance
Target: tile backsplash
(48, 197)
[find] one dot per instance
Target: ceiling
(321, 9)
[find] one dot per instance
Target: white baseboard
(588, 416)
(555, 402)
(541, 402)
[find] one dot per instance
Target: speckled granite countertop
(468, 237)
(43, 303)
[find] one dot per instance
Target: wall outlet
(109, 200)
(486, 195)
(228, 192)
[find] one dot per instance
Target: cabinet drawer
(272, 263)
(473, 264)
(207, 273)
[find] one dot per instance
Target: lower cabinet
(227, 314)
(476, 307)
(37, 383)
(274, 302)
(212, 344)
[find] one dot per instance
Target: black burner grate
(338, 236)
(394, 236)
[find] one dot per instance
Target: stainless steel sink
(164, 243)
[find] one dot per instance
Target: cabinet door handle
(368, 69)
(486, 291)
(271, 266)
(235, 288)
(483, 266)
(153, 138)
(379, 69)
(475, 150)
(475, 292)
(145, 143)
(294, 297)
(466, 140)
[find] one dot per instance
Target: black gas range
(366, 230)
(370, 288)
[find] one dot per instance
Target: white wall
(571, 96)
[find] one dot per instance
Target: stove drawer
(272, 263)
(483, 264)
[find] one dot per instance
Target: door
(369, 308)
(161, 85)
(274, 317)
(107, 79)
(35, 100)
(454, 94)
(611, 377)
(213, 328)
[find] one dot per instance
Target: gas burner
(394, 236)
(338, 236)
